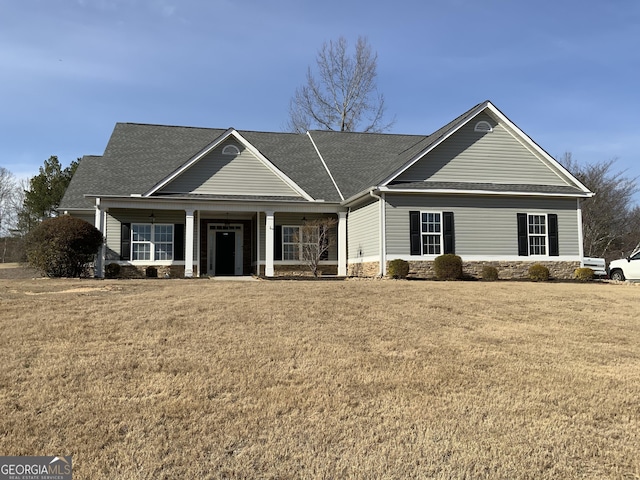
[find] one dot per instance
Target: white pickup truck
(626, 268)
(598, 265)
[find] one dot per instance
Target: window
(538, 234)
(231, 150)
(151, 242)
(431, 228)
(293, 244)
(290, 245)
(141, 242)
(483, 126)
(163, 242)
(431, 233)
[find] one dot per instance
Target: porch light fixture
(152, 217)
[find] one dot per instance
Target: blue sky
(566, 72)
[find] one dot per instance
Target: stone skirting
(365, 269)
(300, 270)
(506, 270)
(163, 271)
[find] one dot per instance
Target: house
(203, 201)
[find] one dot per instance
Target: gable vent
(231, 150)
(483, 126)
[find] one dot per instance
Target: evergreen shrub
(584, 274)
(112, 270)
(538, 273)
(63, 246)
(398, 268)
(489, 273)
(448, 267)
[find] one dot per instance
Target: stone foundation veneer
(139, 271)
(300, 270)
(365, 269)
(506, 270)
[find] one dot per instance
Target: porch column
(342, 244)
(188, 246)
(268, 243)
(100, 223)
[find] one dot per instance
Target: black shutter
(277, 243)
(523, 237)
(125, 241)
(447, 230)
(414, 233)
(552, 218)
(178, 241)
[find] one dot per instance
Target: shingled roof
(140, 156)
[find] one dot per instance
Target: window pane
(431, 244)
(163, 233)
(537, 224)
(537, 245)
(163, 251)
(290, 251)
(289, 234)
(141, 233)
(141, 251)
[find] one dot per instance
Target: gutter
(382, 232)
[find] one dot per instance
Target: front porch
(214, 241)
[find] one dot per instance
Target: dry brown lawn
(183, 379)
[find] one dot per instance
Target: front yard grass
(144, 379)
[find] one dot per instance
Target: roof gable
(229, 167)
(502, 156)
(486, 157)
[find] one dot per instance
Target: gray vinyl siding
(242, 174)
(116, 217)
(88, 217)
(292, 219)
(482, 225)
(363, 237)
(493, 157)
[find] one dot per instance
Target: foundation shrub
(398, 268)
(63, 246)
(538, 273)
(489, 273)
(448, 267)
(584, 274)
(151, 272)
(112, 270)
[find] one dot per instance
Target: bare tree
(610, 219)
(343, 95)
(316, 237)
(8, 193)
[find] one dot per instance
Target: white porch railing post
(342, 244)
(100, 224)
(269, 243)
(188, 247)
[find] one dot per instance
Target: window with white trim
(431, 232)
(295, 238)
(537, 226)
(290, 245)
(483, 126)
(151, 241)
(230, 150)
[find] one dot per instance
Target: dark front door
(225, 253)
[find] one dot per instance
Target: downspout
(382, 233)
